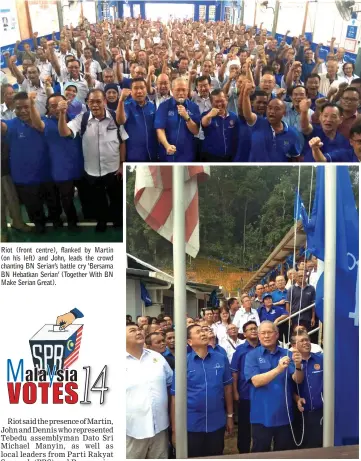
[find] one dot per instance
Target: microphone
(180, 102)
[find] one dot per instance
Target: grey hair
(268, 322)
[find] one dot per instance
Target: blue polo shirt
(218, 349)
(206, 378)
(311, 387)
(313, 100)
(221, 136)
(142, 144)
(237, 366)
(29, 157)
(176, 130)
(169, 353)
(268, 146)
(329, 145)
(126, 83)
(342, 155)
(272, 314)
(278, 295)
(66, 157)
(268, 403)
(244, 141)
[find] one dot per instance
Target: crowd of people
(239, 369)
(144, 91)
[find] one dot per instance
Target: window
(212, 13)
(202, 12)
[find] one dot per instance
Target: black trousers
(35, 196)
(262, 438)
(215, 158)
(313, 437)
(84, 194)
(66, 191)
(244, 426)
(206, 443)
(107, 196)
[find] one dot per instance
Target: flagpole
(329, 307)
(180, 303)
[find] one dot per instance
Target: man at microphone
(177, 121)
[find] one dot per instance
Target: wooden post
(305, 19)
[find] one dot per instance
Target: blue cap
(266, 295)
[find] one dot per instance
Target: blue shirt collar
(263, 350)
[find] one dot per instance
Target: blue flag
(346, 315)
(145, 296)
(299, 211)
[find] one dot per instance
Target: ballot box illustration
(52, 346)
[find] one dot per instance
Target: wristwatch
(230, 416)
(187, 120)
(300, 369)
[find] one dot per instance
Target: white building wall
(134, 300)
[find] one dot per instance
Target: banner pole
(180, 306)
(329, 307)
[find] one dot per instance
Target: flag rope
(298, 321)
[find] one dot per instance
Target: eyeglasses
(350, 99)
(251, 329)
(265, 333)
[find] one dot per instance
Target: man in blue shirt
(170, 342)
(352, 155)
(177, 121)
(137, 115)
(330, 119)
(309, 399)
(271, 312)
(279, 296)
(30, 165)
(272, 139)
(241, 387)
(220, 130)
(209, 397)
(312, 84)
(66, 157)
(267, 368)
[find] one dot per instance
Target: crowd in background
(239, 366)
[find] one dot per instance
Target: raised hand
(315, 143)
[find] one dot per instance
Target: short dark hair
(21, 96)
(298, 86)
(202, 78)
(312, 76)
(168, 330)
(268, 70)
(72, 60)
(182, 59)
(258, 93)
(149, 338)
(355, 129)
(217, 92)
(332, 104)
(231, 301)
(247, 324)
(301, 333)
(54, 95)
(356, 80)
(351, 88)
(189, 330)
(208, 309)
(136, 80)
(94, 90)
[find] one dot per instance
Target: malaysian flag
(153, 201)
(72, 349)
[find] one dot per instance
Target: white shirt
(41, 96)
(220, 330)
(46, 69)
(230, 346)
(147, 398)
(100, 144)
(313, 279)
(157, 99)
(325, 84)
(6, 113)
(243, 317)
(94, 68)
